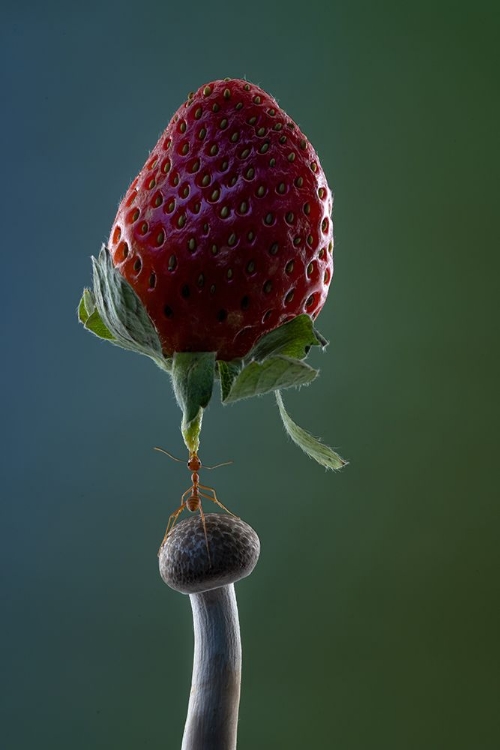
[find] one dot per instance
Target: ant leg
(202, 515)
(215, 499)
(171, 523)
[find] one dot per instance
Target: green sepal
(114, 312)
(89, 316)
(191, 432)
(313, 447)
(292, 339)
(121, 310)
(193, 375)
(95, 325)
(86, 306)
(227, 372)
(259, 378)
(274, 362)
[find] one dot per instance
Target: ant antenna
(162, 450)
(180, 461)
(226, 463)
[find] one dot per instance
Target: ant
(191, 498)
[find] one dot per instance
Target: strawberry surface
(226, 232)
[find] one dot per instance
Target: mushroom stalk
(212, 716)
(187, 566)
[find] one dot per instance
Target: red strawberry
(226, 234)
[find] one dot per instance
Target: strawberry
(225, 234)
(220, 257)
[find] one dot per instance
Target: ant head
(194, 463)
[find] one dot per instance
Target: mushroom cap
(185, 564)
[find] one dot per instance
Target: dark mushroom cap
(185, 564)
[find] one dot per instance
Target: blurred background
(372, 619)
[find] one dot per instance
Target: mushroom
(206, 567)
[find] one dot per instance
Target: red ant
(191, 498)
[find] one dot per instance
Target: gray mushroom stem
(212, 715)
(186, 566)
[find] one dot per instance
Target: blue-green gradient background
(372, 619)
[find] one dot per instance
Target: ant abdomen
(193, 504)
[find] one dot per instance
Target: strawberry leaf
(121, 310)
(193, 375)
(276, 372)
(292, 339)
(313, 447)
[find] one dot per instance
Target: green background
(372, 619)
